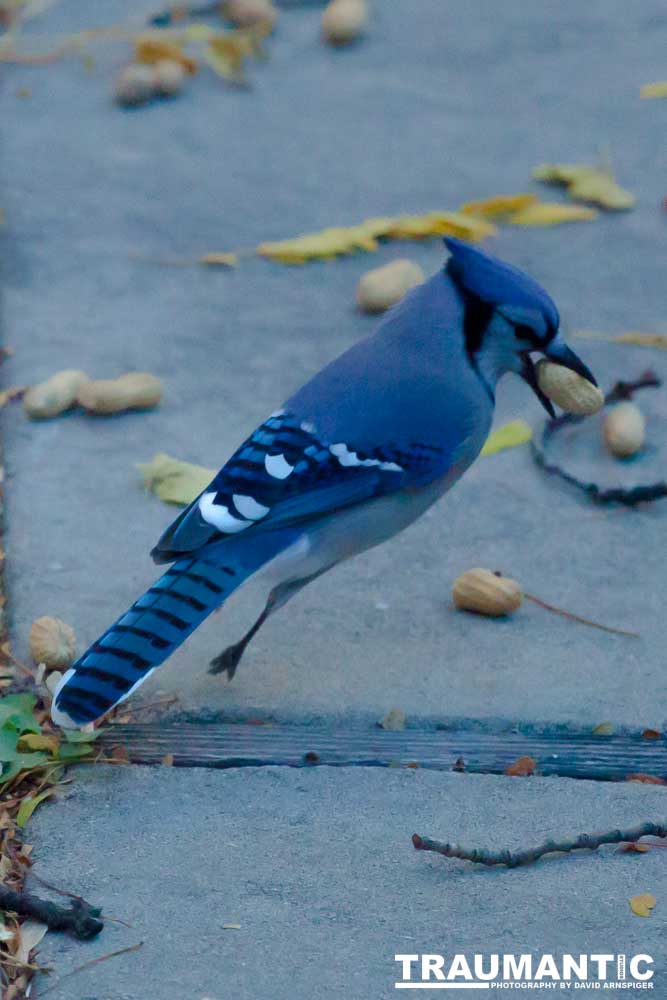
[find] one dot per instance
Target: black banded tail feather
(141, 639)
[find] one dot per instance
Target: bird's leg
(229, 659)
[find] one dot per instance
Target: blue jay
(353, 457)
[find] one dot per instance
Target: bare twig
(89, 965)
(586, 841)
(616, 494)
(578, 618)
(80, 918)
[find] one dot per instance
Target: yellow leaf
(508, 436)
(28, 806)
(551, 213)
(601, 189)
(197, 32)
(174, 481)
(604, 729)
(149, 49)
(502, 204)
(35, 741)
(227, 52)
(642, 905)
(631, 337)
(334, 242)
(586, 183)
(219, 259)
(658, 89)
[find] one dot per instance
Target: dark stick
(627, 497)
(80, 918)
(586, 841)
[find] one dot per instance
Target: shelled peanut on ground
(55, 395)
(624, 430)
(343, 21)
(381, 287)
(69, 388)
(52, 642)
(486, 593)
(135, 391)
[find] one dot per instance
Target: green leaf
(28, 806)
(74, 751)
(81, 736)
(8, 740)
(16, 712)
(21, 762)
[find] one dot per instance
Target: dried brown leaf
(524, 767)
(150, 50)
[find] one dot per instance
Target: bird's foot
(228, 660)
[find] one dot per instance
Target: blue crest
(496, 282)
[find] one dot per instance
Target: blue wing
(284, 474)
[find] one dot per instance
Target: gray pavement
(440, 104)
(433, 108)
(318, 869)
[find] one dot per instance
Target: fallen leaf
(231, 927)
(524, 767)
(393, 720)
(510, 435)
(551, 213)
(150, 50)
(586, 183)
(634, 847)
(29, 805)
(174, 481)
(651, 734)
(499, 205)
(227, 59)
(168, 760)
(219, 260)
(646, 779)
(604, 729)
(37, 741)
(119, 755)
(631, 337)
(642, 904)
(651, 90)
(16, 712)
(336, 241)
(30, 934)
(226, 52)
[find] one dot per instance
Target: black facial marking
(529, 335)
(476, 317)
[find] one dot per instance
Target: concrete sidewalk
(318, 869)
(432, 109)
(440, 104)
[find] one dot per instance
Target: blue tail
(124, 656)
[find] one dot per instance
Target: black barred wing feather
(284, 474)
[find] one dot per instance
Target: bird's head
(507, 317)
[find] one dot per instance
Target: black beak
(559, 352)
(529, 376)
